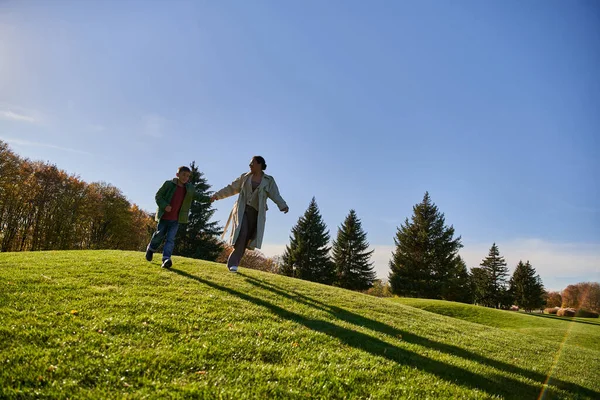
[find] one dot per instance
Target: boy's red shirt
(176, 202)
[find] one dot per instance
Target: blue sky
(492, 107)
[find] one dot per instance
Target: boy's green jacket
(165, 194)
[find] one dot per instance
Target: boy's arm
(160, 196)
(233, 188)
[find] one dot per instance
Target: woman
(248, 215)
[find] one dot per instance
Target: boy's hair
(183, 168)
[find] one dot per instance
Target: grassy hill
(108, 324)
(581, 332)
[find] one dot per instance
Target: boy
(174, 200)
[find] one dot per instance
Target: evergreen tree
(495, 266)
(425, 263)
(526, 287)
(354, 270)
(458, 287)
(307, 255)
(199, 238)
(481, 287)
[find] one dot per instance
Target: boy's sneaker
(167, 263)
(233, 268)
(149, 254)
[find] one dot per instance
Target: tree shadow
(498, 385)
(565, 319)
(396, 333)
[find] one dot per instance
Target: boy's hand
(213, 198)
(285, 210)
(168, 208)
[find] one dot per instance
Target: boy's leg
(157, 239)
(170, 240)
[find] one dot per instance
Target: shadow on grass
(566, 319)
(499, 385)
(374, 325)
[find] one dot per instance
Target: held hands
(213, 198)
(168, 208)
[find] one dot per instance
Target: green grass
(108, 324)
(583, 332)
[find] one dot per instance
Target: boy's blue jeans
(166, 230)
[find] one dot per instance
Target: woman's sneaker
(233, 268)
(149, 254)
(167, 263)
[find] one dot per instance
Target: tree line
(425, 262)
(44, 208)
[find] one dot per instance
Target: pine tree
(458, 287)
(495, 266)
(481, 287)
(199, 238)
(425, 262)
(526, 287)
(354, 270)
(307, 255)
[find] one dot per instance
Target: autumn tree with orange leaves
(584, 295)
(44, 208)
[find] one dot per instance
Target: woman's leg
(247, 233)
(252, 223)
(239, 247)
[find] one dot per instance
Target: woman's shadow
(498, 385)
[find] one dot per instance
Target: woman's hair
(261, 161)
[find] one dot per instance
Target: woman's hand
(213, 198)
(285, 210)
(168, 208)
